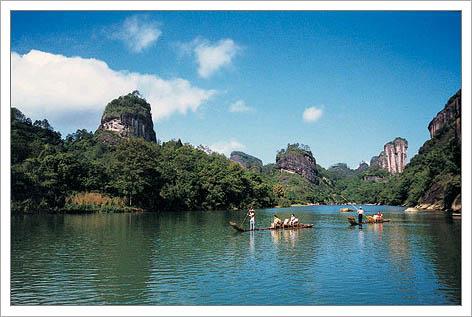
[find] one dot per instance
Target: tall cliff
(432, 178)
(127, 116)
(441, 156)
(450, 113)
(247, 161)
(393, 157)
(298, 159)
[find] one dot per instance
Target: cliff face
(444, 147)
(247, 161)
(432, 179)
(450, 113)
(298, 159)
(393, 157)
(127, 116)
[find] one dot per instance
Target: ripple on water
(197, 259)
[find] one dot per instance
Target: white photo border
(462, 310)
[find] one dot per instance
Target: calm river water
(196, 258)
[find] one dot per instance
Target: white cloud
(47, 84)
(312, 114)
(138, 33)
(211, 57)
(227, 147)
(240, 106)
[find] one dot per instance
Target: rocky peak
(340, 170)
(127, 116)
(450, 114)
(363, 166)
(297, 158)
(393, 157)
(246, 161)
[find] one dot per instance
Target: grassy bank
(87, 202)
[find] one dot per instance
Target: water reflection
(276, 235)
(251, 242)
(378, 228)
(196, 258)
(290, 236)
(361, 239)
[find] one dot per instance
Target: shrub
(94, 199)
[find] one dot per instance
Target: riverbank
(456, 207)
(84, 209)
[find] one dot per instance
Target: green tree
(133, 171)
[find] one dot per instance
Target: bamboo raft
(299, 226)
(353, 222)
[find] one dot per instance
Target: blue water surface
(196, 258)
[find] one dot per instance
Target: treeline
(54, 174)
(82, 173)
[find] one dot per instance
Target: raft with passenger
(295, 227)
(370, 220)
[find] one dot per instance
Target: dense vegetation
(131, 103)
(248, 161)
(291, 188)
(83, 173)
(294, 149)
(51, 174)
(340, 170)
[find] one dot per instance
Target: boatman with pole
(252, 219)
(360, 213)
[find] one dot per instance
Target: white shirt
(360, 211)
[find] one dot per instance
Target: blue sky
(243, 80)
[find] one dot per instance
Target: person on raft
(293, 220)
(378, 217)
(286, 223)
(252, 219)
(360, 213)
(277, 222)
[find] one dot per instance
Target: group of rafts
(289, 224)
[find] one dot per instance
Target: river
(196, 258)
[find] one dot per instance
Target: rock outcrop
(340, 170)
(457, 204)
(444, 192)
(363, 166)
(246, 161)
(450, 114)
(127, 116)
(373, 178)
(298, 159)
(393, 157)
(433, 177)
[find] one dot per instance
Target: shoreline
(113, 209)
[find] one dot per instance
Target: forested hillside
(82, 173)
(86, 171)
